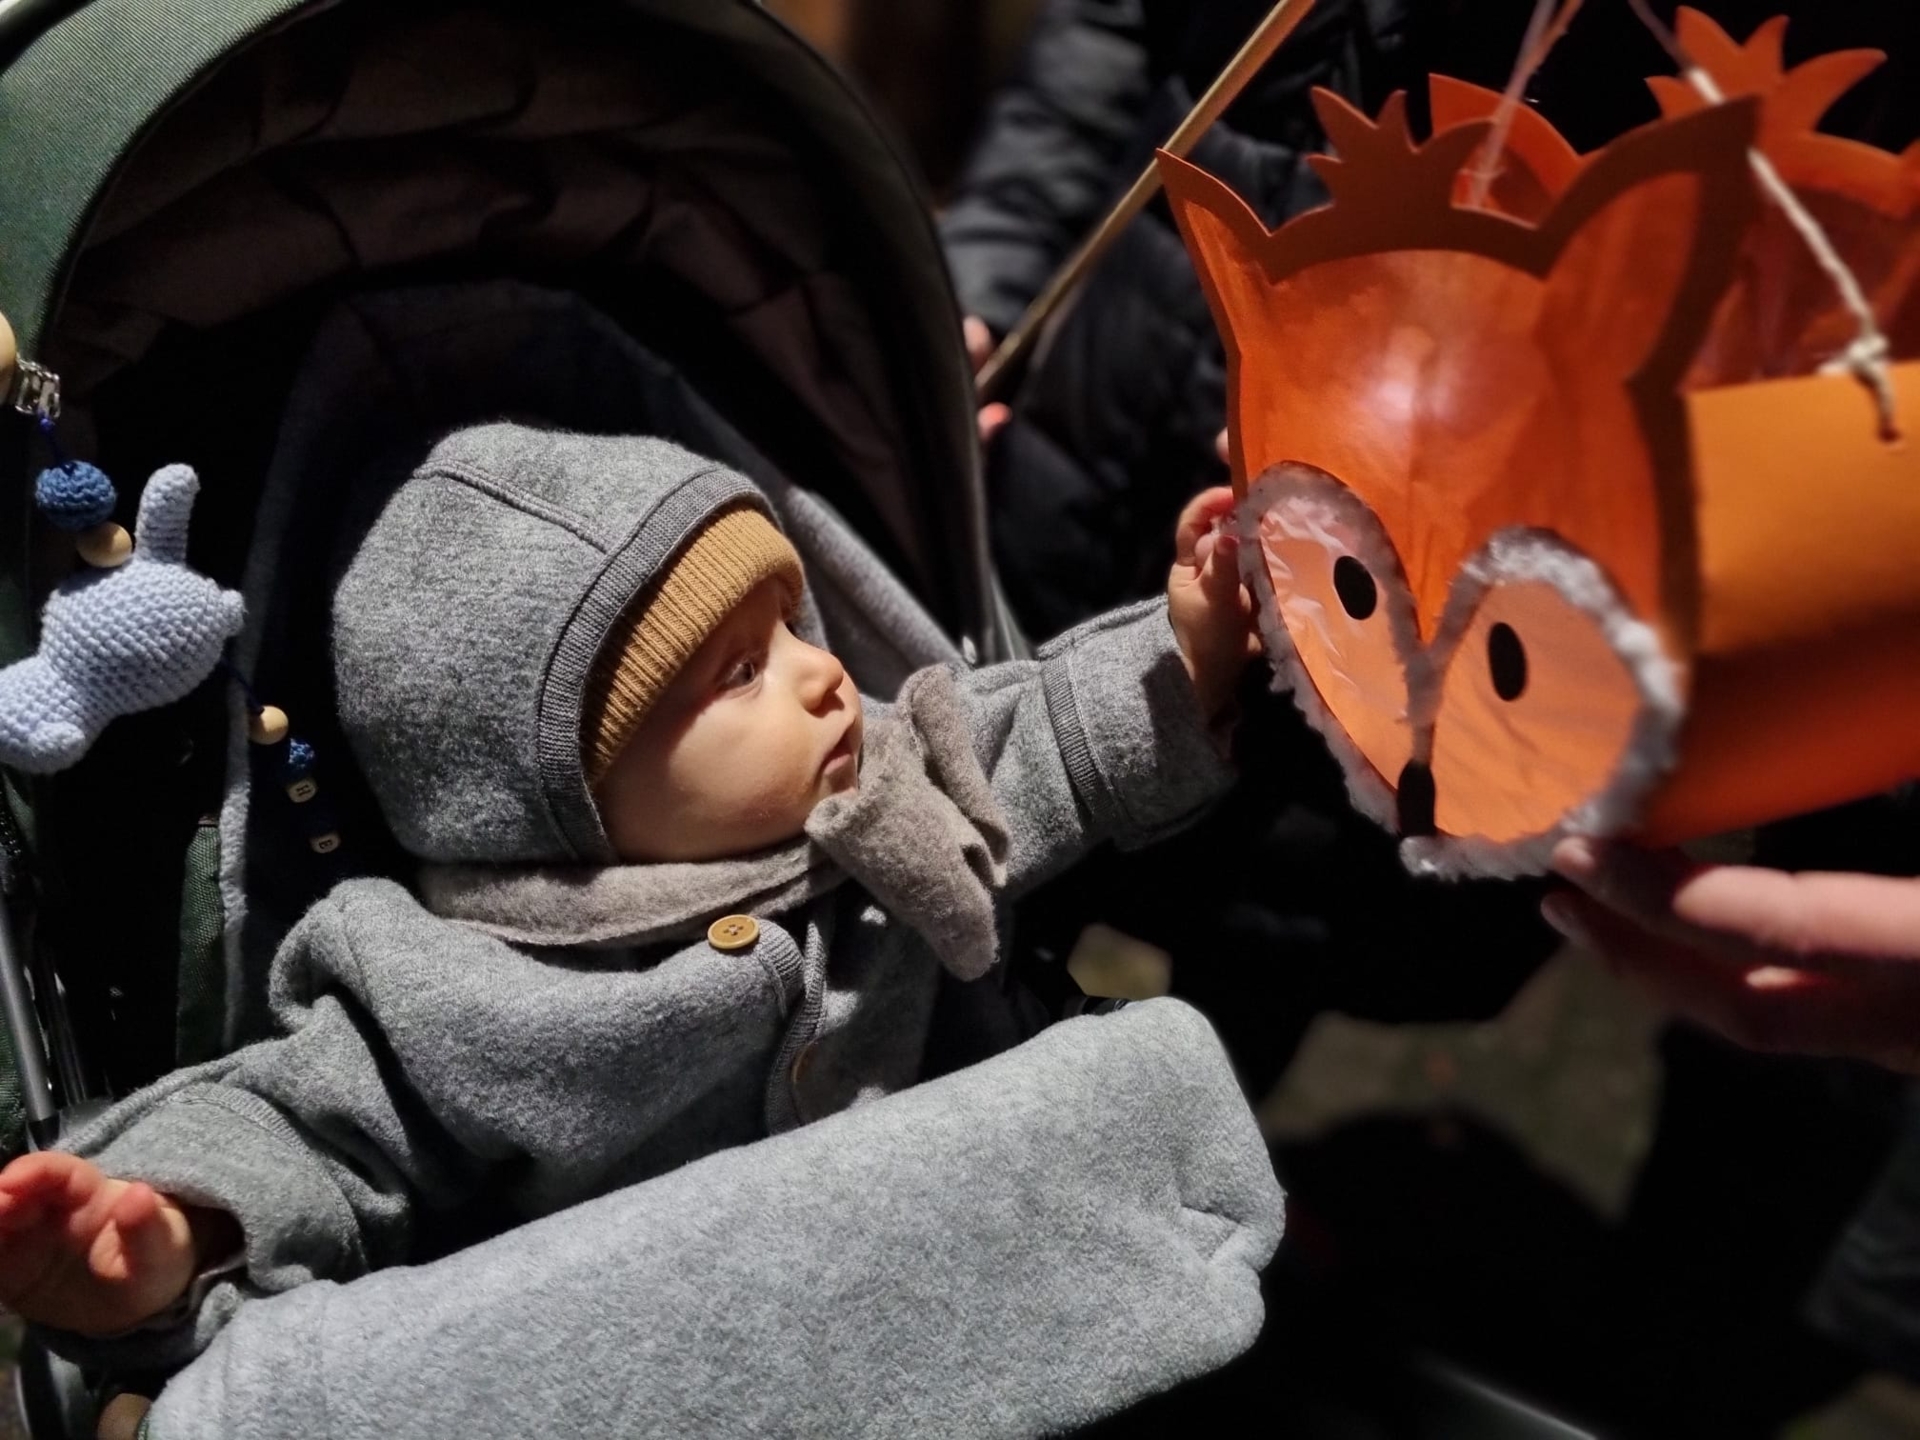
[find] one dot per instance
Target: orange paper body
(1806, 688)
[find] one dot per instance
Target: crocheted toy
(116, 641)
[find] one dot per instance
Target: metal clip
(35, 391)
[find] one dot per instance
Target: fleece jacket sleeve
(421, 1061)
(1099, 739)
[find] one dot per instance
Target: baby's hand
(1211, 611)
(81, 1251)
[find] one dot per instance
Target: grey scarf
(921, 833)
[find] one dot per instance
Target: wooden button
(301, 791)
(269, 727)
(735, 932)
(105, 547)
(325, 844)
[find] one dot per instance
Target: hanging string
(1535, 46)
(232, 672)
(1866, 358)
(51, 435)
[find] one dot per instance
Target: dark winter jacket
(1114, 424)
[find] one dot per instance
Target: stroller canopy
(188, 186)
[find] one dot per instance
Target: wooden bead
(9, 353)
(121, 1416)
(269, 727)
(301, 791)
(105, 546)
(325, 844)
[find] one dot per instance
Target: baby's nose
(824, 675)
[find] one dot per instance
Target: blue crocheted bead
(299, 757)
(75, 496)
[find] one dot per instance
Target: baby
(679, 888)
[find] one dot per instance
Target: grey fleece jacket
(567, 1029)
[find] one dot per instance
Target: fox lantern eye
(1506, 662)
(1335, 583)
(1351, 582)
(1549, 697)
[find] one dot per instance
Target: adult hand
(980, 346)
(1816, 964)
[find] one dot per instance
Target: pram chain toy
(136, 629)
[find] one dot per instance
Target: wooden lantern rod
(1266, 39)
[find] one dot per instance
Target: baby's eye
(743, 674)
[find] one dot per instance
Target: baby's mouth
(842, 765)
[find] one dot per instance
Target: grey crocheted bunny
(116, 641)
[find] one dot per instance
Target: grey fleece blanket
(1101, 1241)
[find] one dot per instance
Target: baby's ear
(1648, 237)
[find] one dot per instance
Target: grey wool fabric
(1021, 1245)
(1012, 1250)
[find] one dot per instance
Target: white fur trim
(1520, 554)
(1327, 511)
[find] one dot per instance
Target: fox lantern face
(1477, 510)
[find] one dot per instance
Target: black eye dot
(1351, 582)
(1507, 659)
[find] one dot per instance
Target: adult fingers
(993, 419)
(1759, 915)
(1811, 917)
(1707, 989)
(1640, 885)
(1773, 1008)
(979, 340)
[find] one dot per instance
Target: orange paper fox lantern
(1544, 540)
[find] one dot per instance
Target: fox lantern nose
(1415, 798)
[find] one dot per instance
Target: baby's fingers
(49, 1174)
(140, 1237)
(1198, 520)
(1219, 560)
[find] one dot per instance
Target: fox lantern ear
(1222, 235)
(1647, 236)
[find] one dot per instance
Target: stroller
(293, 243)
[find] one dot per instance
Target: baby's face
(756, 730)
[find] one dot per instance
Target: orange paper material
(1537, 544)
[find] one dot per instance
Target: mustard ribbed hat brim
(724, 562)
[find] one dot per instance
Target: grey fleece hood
(465, 625)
